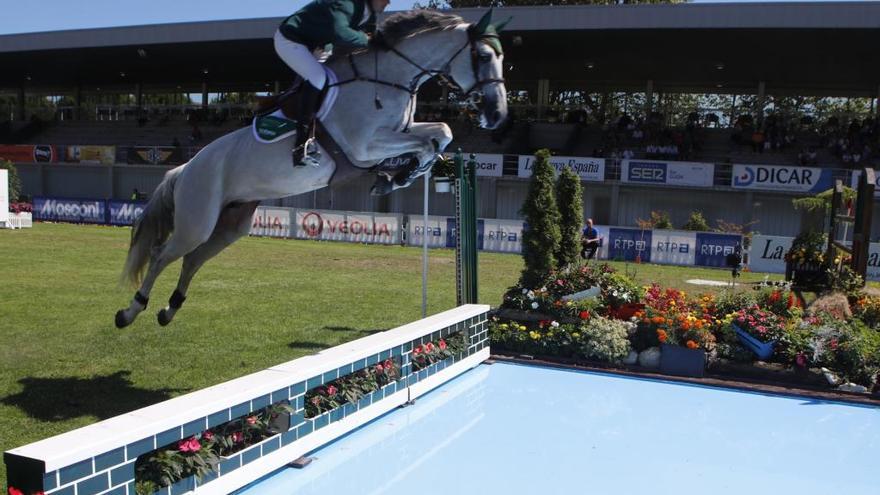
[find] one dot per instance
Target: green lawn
(262, 302)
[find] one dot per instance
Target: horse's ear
(485, 21)
(500, 26)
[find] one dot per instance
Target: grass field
(64, 365)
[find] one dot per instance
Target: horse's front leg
(425, 140)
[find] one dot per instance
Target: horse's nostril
(496, 116)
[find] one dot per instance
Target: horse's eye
(485, 58)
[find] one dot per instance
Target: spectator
(135, 195)
(196, 135)
(175, 143)
(589, 241)
(758, 141)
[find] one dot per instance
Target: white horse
(203, 206)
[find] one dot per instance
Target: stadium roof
(806, 48)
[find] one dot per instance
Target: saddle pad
(276, 126)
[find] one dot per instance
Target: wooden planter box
(806, 275)
(681, 361)
(761, 349)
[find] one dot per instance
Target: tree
(541, 237)
(696, 222)
(569, 196)
(14, 180)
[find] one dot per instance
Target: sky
(55, 15)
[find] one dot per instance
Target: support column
(543, 96)
(205, 95)
(20, 104)
(77, 102)
(138, 98)
(488, 198)
(759, 103)
(649, 99)
(614, 214)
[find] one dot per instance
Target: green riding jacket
(330, 22)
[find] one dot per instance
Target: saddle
(277, 117)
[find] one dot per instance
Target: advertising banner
(488, 164)
(4, 195)
(502, 236)
(436, 231)
(629, 244)
(375, 228)
(857, 174)
(69, 210)
(873, 272)
(672, 247)
(781, 178)
(589, 169)
(450, 233)
(712, 249)
(125, 212)
(28, 153)
(767, 253)
(668, 173)
(155, 155)
(271, 222)
(105, 155)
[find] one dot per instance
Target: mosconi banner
(488, 164)
(28, 153)
(712, 249)
(781, 178)
(857, 174)
(125, 212)
(589, 169)
(105, 155)
(374, 228)
(436, 231)
(668, 173)
(271, 222)
(629, 244)
(69, 210)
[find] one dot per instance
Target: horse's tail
(151, 229)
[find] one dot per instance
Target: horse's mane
(407, 24)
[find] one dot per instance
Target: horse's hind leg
(235, 221)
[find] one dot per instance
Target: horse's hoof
(381, 188)
(163, 317)
(121, 322)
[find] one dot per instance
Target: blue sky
(52, 15)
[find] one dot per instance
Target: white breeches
(299, 58)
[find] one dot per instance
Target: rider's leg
(303, 62)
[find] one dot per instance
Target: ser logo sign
(654, 173)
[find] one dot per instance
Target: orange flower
(685, 325)
(691, 344)
(661, 336)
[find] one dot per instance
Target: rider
(306, 38)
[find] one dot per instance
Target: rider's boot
(306, 150)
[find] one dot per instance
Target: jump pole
(465, 230)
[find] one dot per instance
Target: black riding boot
(309, 98)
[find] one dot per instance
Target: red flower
(189, 445)
(584, 315)
(417, 350)
(379, 368)
(15, 491)
(442, 345)
(833, 344)
(389, 364)
(208, 435)
(543, 323)
(331, 390)
(429, 347)
(237, 437)
(251, 420)
(316, 400)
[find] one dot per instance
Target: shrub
(569, 196)
(14, 180)
(696, 222)
(541, 238)
(605, 340)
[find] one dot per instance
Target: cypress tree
(541, 238)
(570, 197)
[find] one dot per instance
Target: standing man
(589, 241)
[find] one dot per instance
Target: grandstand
(565, 67)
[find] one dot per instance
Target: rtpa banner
(271, 222)
(70, 210)
(668, 173)
(28, 153)
(488, 165)
(501, 236)
(373, 228)
(436, 231)
(589, 169)
(105, 155)
(781, 178)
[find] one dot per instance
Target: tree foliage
(696, 222)
(541, 237)
(569, 196)
(14, 180)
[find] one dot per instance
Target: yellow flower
(534, 335)
(575, 335)
(503, 326)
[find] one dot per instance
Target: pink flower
(417, 350)
(316, 400)
(208, 435)
(833, 344)
(389, 364)
(237, 437)
(429, 347)
(189, 445)
(15, 491)
(801, 360)
(251, 420)
(379, 368)
(442, 344)
(331, 390)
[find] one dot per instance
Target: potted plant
(443, 171)
(758, 330)
(805, 260)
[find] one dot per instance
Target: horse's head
(480, 75)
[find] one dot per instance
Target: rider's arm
(345, 35)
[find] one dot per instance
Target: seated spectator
(758, 141)
(628, 154)
(196, 135)
(175, 143)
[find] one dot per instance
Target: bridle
(444, 74)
